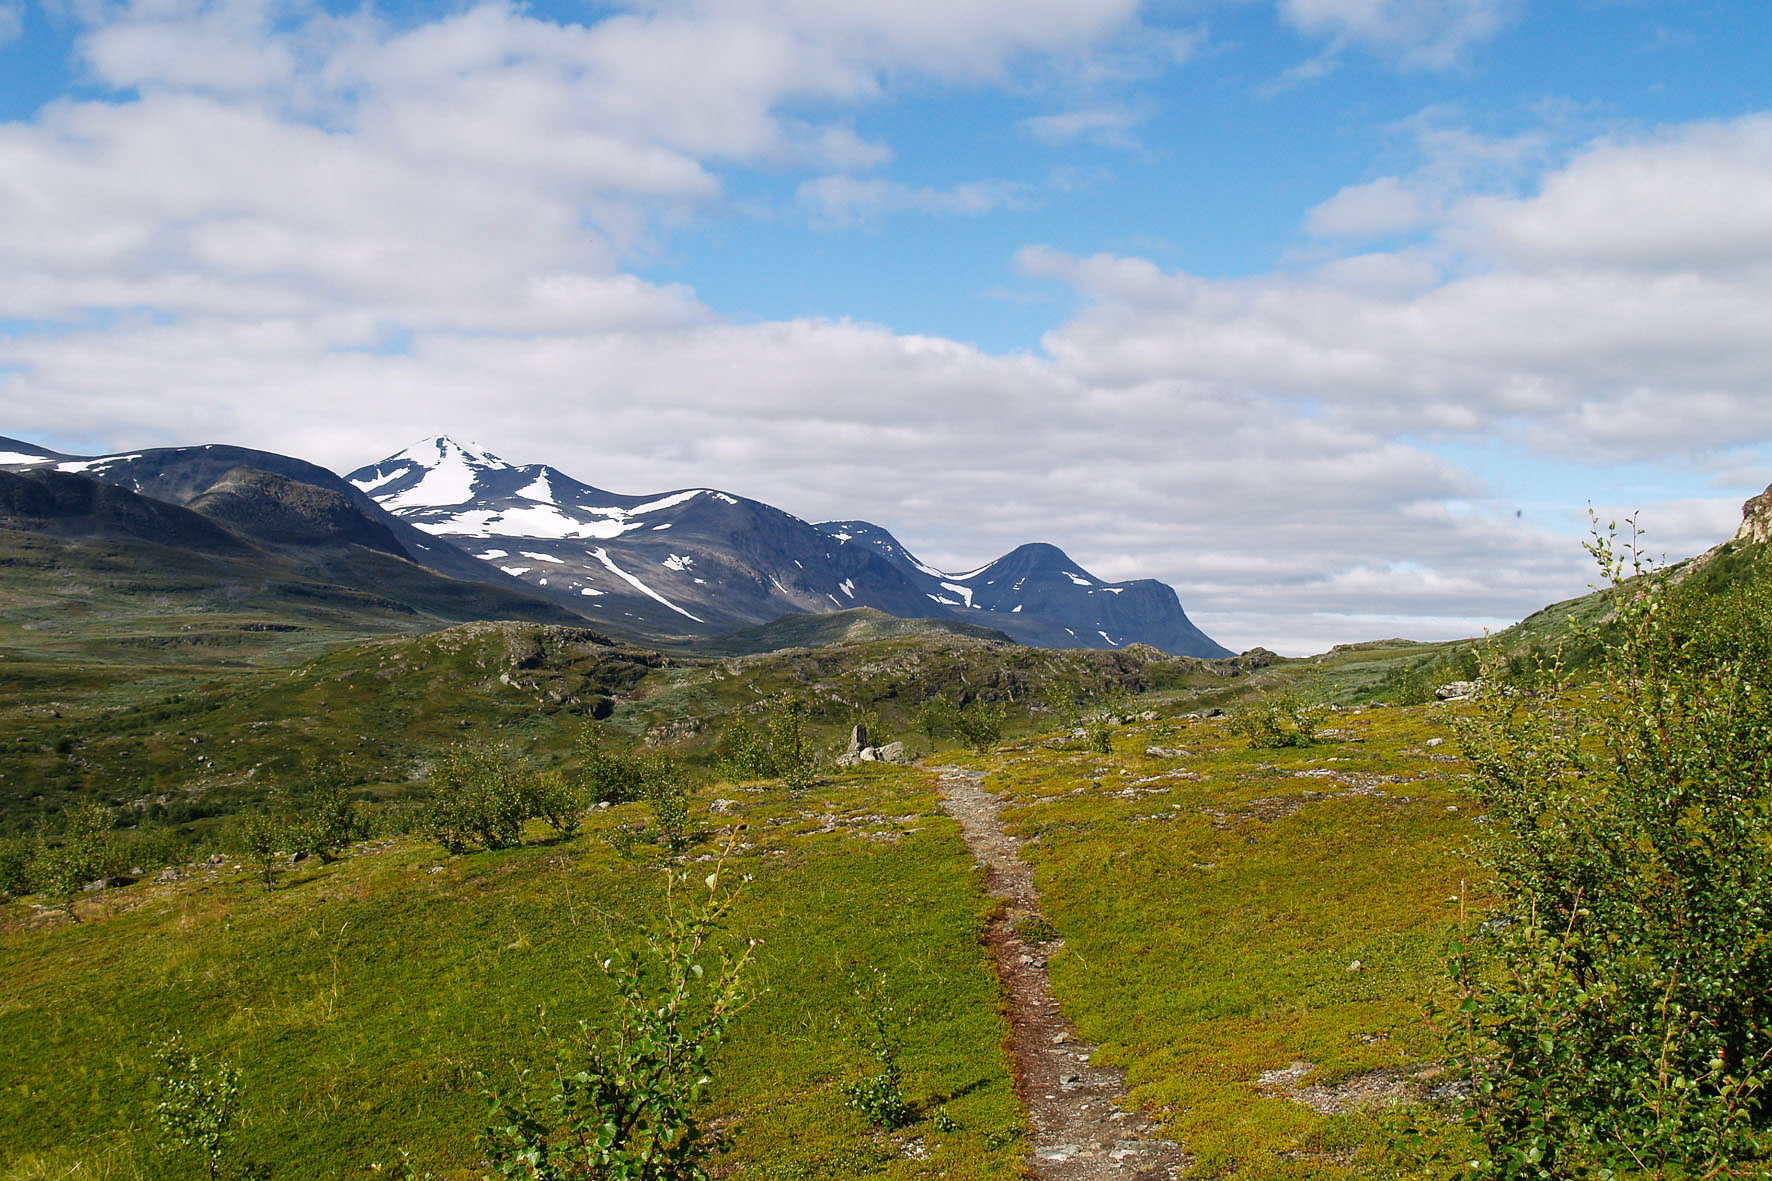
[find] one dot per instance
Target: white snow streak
(602, 555)
(965, 592)
(372, 484)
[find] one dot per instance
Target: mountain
(694, 562)
(178, 474)
(1037, 594)
(253, 543)
(699, 562)
(70, 507)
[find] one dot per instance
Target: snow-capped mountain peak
(433, 473)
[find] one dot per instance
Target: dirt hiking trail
(1081, 1132)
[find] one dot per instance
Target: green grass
(1210, 919)
(364, 1001)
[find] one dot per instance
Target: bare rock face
(1756, 518)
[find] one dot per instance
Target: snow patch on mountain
(539, 490)
(602, 555)
(965, 592)
(88, 465)
(542, 520)
(374, 482)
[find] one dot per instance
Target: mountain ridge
(699, 561)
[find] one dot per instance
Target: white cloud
(1517, 316)
(1110, 125)
(1422, 34)
(1375, 208)
(835, 201)
(12, 21)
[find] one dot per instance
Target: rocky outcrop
(1756, 518)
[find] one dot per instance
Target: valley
(1116, 911)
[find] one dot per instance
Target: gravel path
(1081, 1131)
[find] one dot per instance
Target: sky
(1337, 315)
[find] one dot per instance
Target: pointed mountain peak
(442, 450)
(433, 472)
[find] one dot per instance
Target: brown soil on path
(1081, 1131)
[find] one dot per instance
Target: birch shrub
(1620, 1024)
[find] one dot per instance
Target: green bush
(879, 1095)
(478, 796)
(325, 821)
(610, 777)
(667, 800)
(86, 852)
(1099, 737)
(932, 719)
(789, 750)
(978, 723)
(1621, 1022)
(625, 1107)
(781, 751)
(557, 802)
(262, 837)
(1277, 720)
(198, 1098)
(16, 853)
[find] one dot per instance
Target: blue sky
(1334, 313)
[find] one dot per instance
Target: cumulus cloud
(1517, 315)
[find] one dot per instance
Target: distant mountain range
(681, 565)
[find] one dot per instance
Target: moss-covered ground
(368, 1003)
(1211, 899)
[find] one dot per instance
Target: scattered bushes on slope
(1621, 1024)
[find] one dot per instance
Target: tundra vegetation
(1339, 931)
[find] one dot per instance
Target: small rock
(1456, 691)
(1356, 966)
(722, 807)
(94, 886)
(868, 754)
(435, 869)
(1433, 742)
(1060, 1038)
